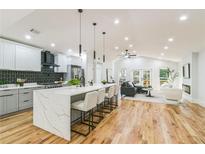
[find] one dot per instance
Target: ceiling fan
(127, 54)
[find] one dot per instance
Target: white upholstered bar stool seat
(89, 103)
(79, 105)
(109, 95)
(84, 106)
(110, 92)
(101, 100)
(101, 96)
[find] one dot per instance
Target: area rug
(157, 98)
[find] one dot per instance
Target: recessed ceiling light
(130, 45)
(170, 39)
(53, 44)
(116, 48)
(134, 51)
(162, 54)
(166, 47)
(28, 37)
(126, 38)
(183, 18)
(117, 21)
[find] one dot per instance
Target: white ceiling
(148, 30)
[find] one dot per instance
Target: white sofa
(173, 94)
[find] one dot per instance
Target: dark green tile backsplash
(40, 77)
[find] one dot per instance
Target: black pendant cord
(80, 45)
(94, 51)
(103, 46)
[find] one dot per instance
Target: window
(146, 78)
(136, 77)
(142, 77)
(164, 75)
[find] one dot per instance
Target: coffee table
(148, 91)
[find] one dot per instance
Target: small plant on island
(103, 81)
(73, 82)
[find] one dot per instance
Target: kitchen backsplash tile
(40, 77)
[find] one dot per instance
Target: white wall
(144, 63)
(193, 80)
(187, 59)
(91, 66)
(201, 77)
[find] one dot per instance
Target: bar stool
(108, 97)
(117, 88)
(86, 106)
(101, 99)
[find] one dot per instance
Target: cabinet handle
(26, 93)
(7, 95)
(6, 90)
(26, 100)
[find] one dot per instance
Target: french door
(142, 77)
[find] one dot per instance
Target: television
(186, 71)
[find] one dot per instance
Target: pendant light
(94, 52)
(80, 45)
(103, 46)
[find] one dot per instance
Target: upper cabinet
(62, 61)
(16, 56)
(28, 58)
(1, 54)
(8, 54)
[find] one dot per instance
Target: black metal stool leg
(89, 120)
(89, 127)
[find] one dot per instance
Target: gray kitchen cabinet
(11, 102)
(25, 98)
(28, 55)
(8, 101)
(62, 61)
(1, 55)
(8, 54)
(2, 106)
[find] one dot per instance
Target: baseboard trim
(198, 101)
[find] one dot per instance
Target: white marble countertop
(70, 91)
(26, 85)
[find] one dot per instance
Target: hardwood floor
(132, 122)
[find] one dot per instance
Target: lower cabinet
(8, 101)
(25, 99)
(2, 106)
(16, 100)
(11, 102)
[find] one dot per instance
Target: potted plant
(103, 81)
(3, 84)
(74, 82)
(20, 82)
(172, 75)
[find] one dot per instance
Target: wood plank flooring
(132, 122)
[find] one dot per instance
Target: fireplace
(186, 88)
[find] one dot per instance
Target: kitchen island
(52, 108)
